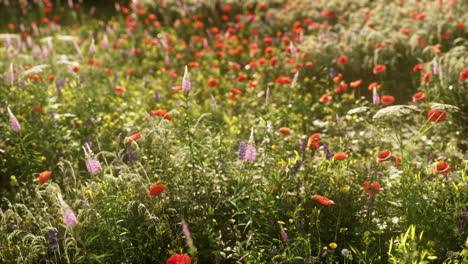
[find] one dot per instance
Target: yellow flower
(333, 245)
(291, 221)
(281, 222)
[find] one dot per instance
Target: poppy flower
(156, 190)
(441, 168)
(371, 188)
(418, 67)
(426, 77)
(134, 137)
(179, 259)
(342, 88)
(283, 80)
(379, 68)
(284, 130)
(343, 59)
(397, 160)
(235, 91)
(38, 109)
(384, 156)
(313, 141)
(464, 75)
(340, 156)
(212, 82)
(435, 115)
(44, 177)
(241, 78)
(355, 84)
(119, 90)
(419, 97)
(323, 200)
(338, 78)
(325, 98)
(372, 85)
(387, 99)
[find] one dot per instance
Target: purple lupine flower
(375, 96)
(70, 3)
(92, 164)
(435, 68)
(213, 100)
(52, 240)
(242, 149)
(267, 95)
(156, 97)
(429, 157)
(132, 156)
(186, 84)
(92, 48)
(326, 151)
(69, 217)
(296, 168)
(304, 143)
(15, 125)
(105, 42)
(10, 75)
(332, 73)
(292, 48)
(117, 7)
(295, 77)
(251, 151)
(78, 50)
(301, 37)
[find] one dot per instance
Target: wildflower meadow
(222, 131)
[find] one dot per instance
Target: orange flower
(179, 259)
(241, 78)
(284, 130)
(342, 88)
(119, 90)
(371, 188)
(384, 156)
(283, 80)
(38, 109)
(355, 84)
(419, 97)
(418, 67)
(323, 200)
(426, 77)
(387, 99)
(441, 168)
(338, 78)
(342, 60)
(157, 189)
(397, 160)
(212, 82)
(134, 137)
(235, 91)
(325, 99)
(371, 86)
(435, 115)
(314, 139)
(162, 113)
(379, 68)
(464, 75)
(340, 156)
(44, 177)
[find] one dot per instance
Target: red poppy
(426, 77)
(418, 67)
(241, 78)
(419, 97)
(342, 88)
(435, 115)
(355, 84)
(156, 190)
(384, 156)
(340, 156)
(343, 59)
(371, 188)
(134, 137)
(325, 98)
(441, 168)
(227, 8)
(235, 91)
(397, 160)
(314, 139)
(464, 75)
(44, 177)
(323, 200)
(284, 130)
(212, 82)
(405, 31)
(338, 78)
(283, 80)
(119, 90)
(372, 85)
(387, 99)
(38, 109)
(379, 68)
